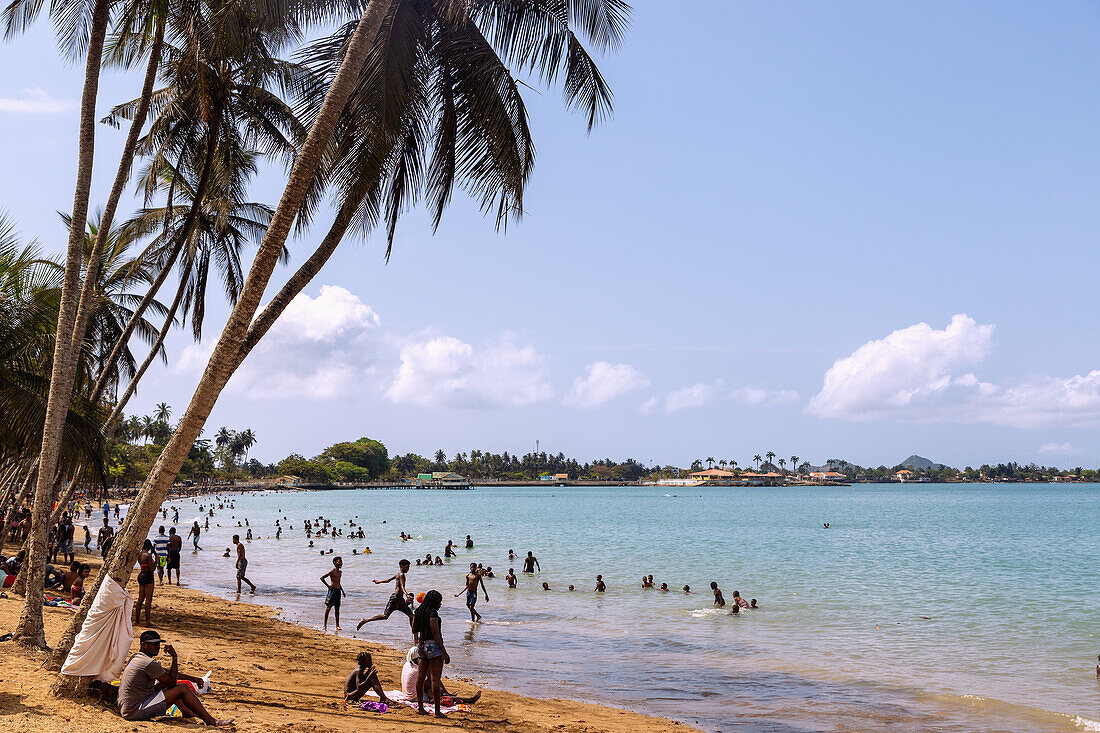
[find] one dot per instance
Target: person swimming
(546, 586)
(664, 587)
(687, 590)
(719, 601)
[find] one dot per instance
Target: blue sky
(738, 262)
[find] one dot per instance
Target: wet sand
(272, 674)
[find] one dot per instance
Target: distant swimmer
(546, 586)
(719, 601)
(398, 601)
(687, 590)
(600, 587)
(739, 601)
(664, 587)
(469, 543)
(511, 577)
(735, 610)
(473, 579)
(752, 604)
(511, 554)
(571, 588)
(826, 525)
(645, 583)
(530, 563)
(449, 550)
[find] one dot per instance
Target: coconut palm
(794, 463)
(756, 459)
(163, 413)
(770, 455)
(710, 462)
(473, 144)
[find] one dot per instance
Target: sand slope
(272, 675)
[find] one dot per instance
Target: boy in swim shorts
(399, 599)
(473, 578)
(331, 579)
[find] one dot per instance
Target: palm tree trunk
(121, 178)
(169, 320)
(177, 246)
(219, 369)
(29, 632)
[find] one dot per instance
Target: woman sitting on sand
(433, 655)
(146, 560)
(410, 672)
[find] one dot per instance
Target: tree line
(389, 104)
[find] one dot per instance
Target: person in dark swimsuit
(399, 600)
(530, 563)
(146, 562)
(363, 679)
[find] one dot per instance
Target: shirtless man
(195, 531)
(511, 577)
(242, 565)
(719, 601)
(331, 579)
(530, 563)
(399, 600)
(473, 579)
(104, 532)
(600, 587)
(175, 546)
(449, 550)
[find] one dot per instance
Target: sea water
(921, 607)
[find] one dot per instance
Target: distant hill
(919, 463)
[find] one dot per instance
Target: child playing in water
(331, 579)
(719, 601)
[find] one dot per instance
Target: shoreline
(269, 671)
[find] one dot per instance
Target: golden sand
(273, 675)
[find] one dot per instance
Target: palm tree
(723, 463)
(756, 459)
(794, 463)
(770, 455)
(710, 463)
(163, 413)
(783, 464)
(147, 427)
(473, 144)
(247, 439)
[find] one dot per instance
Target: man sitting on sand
(364, 678)
(147, 691)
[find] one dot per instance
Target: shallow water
(948, 608)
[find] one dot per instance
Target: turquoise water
(952, 608)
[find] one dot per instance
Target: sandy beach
(269, 673)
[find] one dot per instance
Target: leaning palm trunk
(169, 320)
(223, 360)
(29, 631)
(121, 177)
(178, 241)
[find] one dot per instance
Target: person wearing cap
(147, 690)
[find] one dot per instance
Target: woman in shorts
(433, 655)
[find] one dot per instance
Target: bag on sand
(104, 641)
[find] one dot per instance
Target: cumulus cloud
(321, 348)
(696, 395)
(923, 374)
(35, 102)
(1057, 449)
(754, 396)
(602, 383)
(446, 372)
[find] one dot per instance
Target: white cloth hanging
(104, 641)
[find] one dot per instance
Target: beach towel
(104, 641)
(399, 696)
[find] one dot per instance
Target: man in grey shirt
(146, 690)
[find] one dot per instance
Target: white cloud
(602, 383)
(447, 372)
(754, 396)
(321, 348)
(909, 373)
(696, 395)
(649, 405)
(35, 102)
(922, 374)
(1058, 449)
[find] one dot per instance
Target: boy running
(398, 600)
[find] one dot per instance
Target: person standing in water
(530, 563)
(719, 601)
(242, 565)
(331, 579)
(195, 532)
(398, 599)
(473, 578)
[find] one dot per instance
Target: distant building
(714, 474)
(904, 475)
(447, 477)
(826, 476)
(288, 481)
